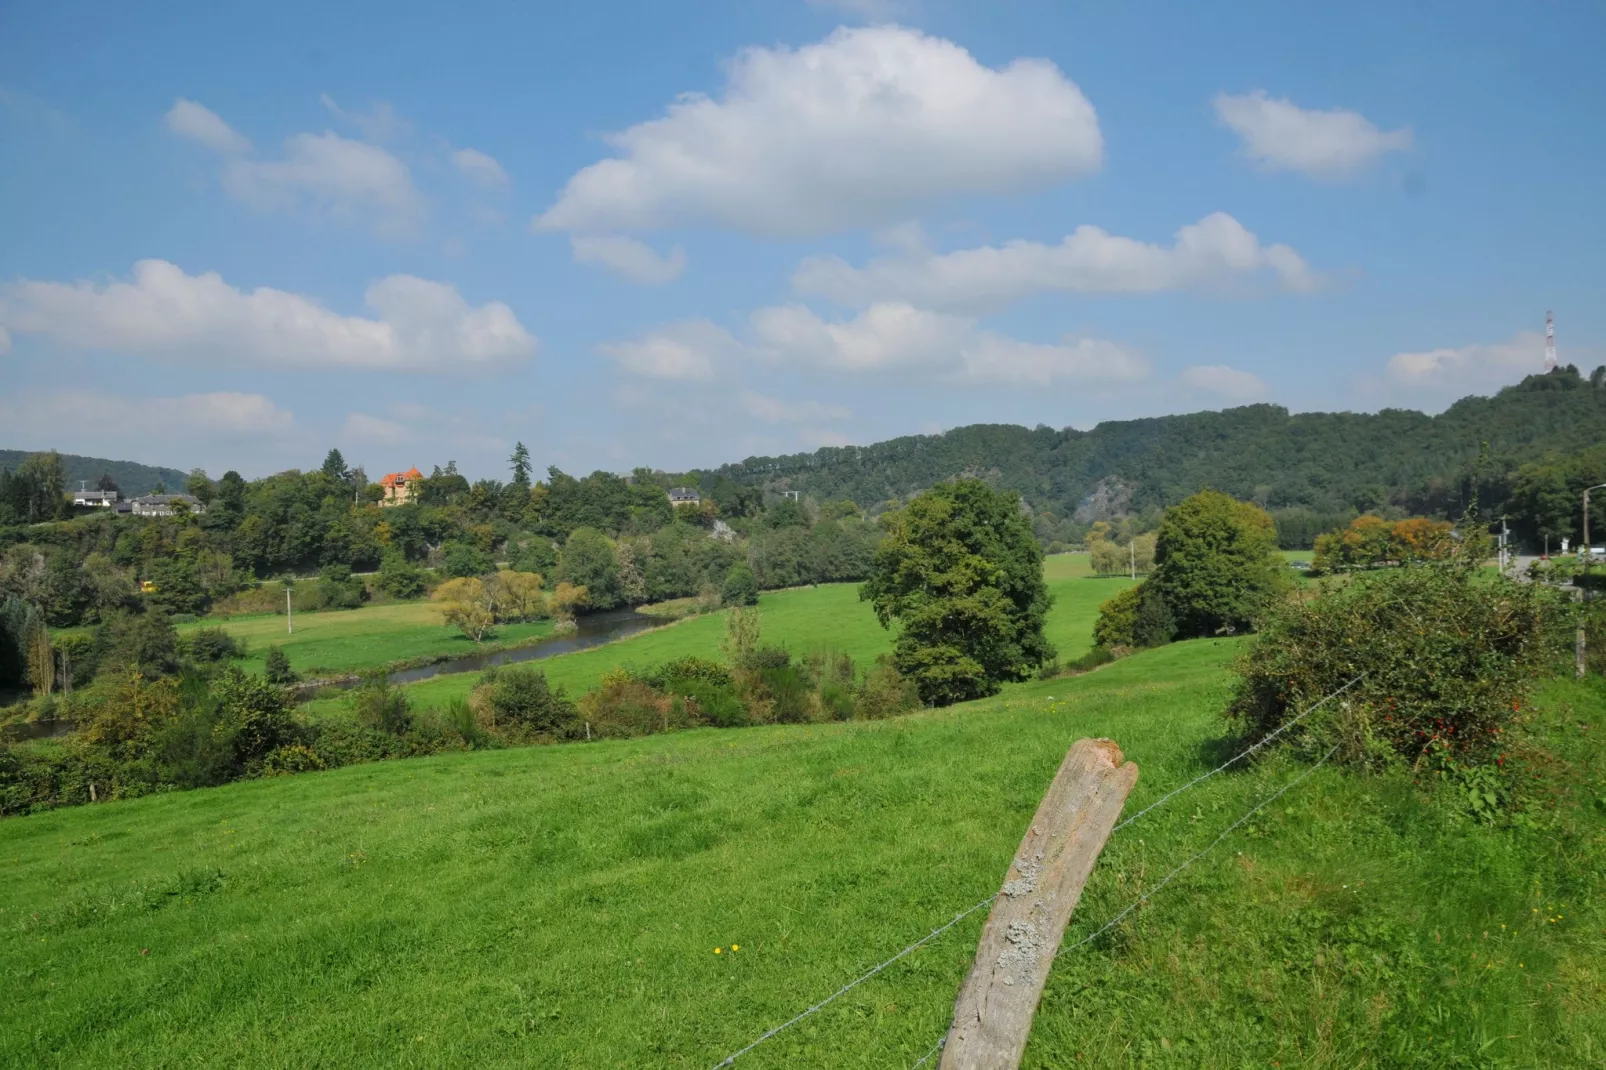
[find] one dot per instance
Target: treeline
(1313, 471)
(617, 538)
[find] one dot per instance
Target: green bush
(276, 667)
(376, 704)
(519, 698)
(1447, 657)
(399, 578)
(717, 704)
(741, 586)
(213, 646)
(885, 691)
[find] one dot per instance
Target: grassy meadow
(802, 619)
(349, 640)
(561, 906)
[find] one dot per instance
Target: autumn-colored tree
(516, 595)
(467, 605)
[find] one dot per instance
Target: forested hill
(131, 478)
(1322, 462)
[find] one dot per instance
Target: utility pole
(1579, 642)
(289, 620)
(1132, 554)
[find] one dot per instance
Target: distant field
(802, 619)
(560, 906)
(348, 640)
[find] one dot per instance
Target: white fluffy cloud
(1470, 367)
(201, 124)
(853, 130)
(320, 172)
(687, 350)
(1282, 136)
(1225, 381)
(629, 258)
(898, 336)
(164, 312)
(774, 410)
(480, 168)
(1217, 251)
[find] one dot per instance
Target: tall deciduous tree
(1216, 564)
(962, 573)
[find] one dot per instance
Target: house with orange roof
(400, 487)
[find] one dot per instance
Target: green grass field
(560, 906)
(802, 619)
(349, 640)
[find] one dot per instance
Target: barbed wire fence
(1118, 918)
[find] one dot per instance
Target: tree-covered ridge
(1329, 463)
(131, 477)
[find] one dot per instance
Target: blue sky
(679, 235)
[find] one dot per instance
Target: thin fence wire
(987, 902)
(935, 1048)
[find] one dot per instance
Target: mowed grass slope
(560, 906)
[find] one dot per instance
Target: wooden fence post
(993, 1015)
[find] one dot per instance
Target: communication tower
(1550, 342)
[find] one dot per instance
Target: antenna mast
(1550, 342)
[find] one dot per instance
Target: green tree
(334, 466)
(200, 485)
(741, 586)
(520, 461)
(588, 561)
(1216, 564)
(962, 573)
(41, 485)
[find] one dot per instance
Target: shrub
(276, 668)
(399, 578)
(378, 705)
(741, 586)
(256, 714)
(520, 698)
(1448, 656)
(687, 670)
(790, 693)
(885, 692)
(213, 646)
(291, 758)
(716, 704)
(623, 706)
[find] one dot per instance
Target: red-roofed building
(400, 487)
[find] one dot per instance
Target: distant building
(99, 499)
(400, 487)
(679, 496)
(165, 504)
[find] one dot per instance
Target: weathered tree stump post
(993, 1015)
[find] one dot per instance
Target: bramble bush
(1448, 655)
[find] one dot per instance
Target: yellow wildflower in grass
(718, 950)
